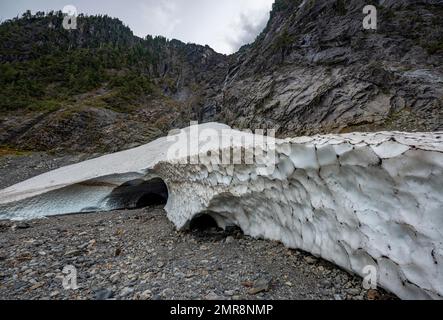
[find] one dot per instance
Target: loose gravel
(140, 255)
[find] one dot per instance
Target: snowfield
(357, 200)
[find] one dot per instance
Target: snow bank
(354, 199)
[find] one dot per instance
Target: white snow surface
(355, 199)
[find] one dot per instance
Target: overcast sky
(225, 25)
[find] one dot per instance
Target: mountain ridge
(313, 69)
(316, 60)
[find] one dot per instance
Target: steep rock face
(316, 70)
(357, 200)
(98, 81)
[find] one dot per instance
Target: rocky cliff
(98, 88)
(314, 69)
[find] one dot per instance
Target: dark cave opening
(205, 227)
(151, 199)
(138, 194)
(202, 223)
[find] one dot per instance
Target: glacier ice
(355, 199)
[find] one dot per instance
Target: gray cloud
(223, 25)
(247, 31)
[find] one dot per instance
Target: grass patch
(283, 41)
(8, 151)
(435, 47)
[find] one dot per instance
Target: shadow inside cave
(205, 228)
(137, 194)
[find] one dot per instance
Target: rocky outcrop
(98, 88)
(87, 129)
(315, 69)
(357, 200)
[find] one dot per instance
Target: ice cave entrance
(203, 222)
(137, 194)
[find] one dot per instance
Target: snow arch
(356, 199)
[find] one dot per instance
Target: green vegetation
(284, 41)
(284, 5)
(43, 66)
(340, 7)
(7, 151)
(435, 47)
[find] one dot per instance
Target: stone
(168, 292)
(229, 293)
(353, 291)
(337, 297)
(146, 295)
(73, 253)
(230, 240)
(261, 285)
(37, 285)
(115, 277)
(104, 294)
(22, 226)
(373, 295)
(126, 292)
(212, 296)
(310, 260)
(54, 294)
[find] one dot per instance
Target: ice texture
(354, 199)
